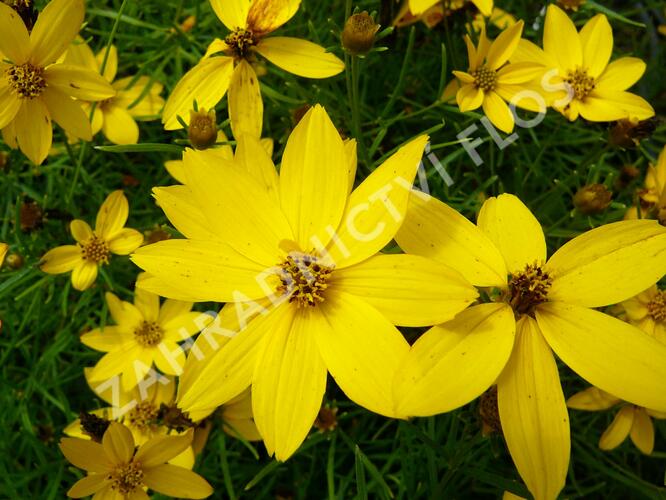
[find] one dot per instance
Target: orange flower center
(485, 78)
(26, 80)
(303, 278)
(143, 415)
(580, 83)
(240, 41)
(528, 289)
(96, 250)
(657, 307)
(149, 334)
(127, 478)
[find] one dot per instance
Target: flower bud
(592, 199)
(327, 419)
(202, 131)
(358, 36)
(571, 4)
(14, 260)
(628, 133)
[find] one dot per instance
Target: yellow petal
(504, 46)
(453, 363)
(3, 252)
(268, 15)
(222, 190)
(642, 431)
(56, 27)
(530, 52)
(77, 82)
(112, 215)
(118, 443)
(621, 74)
(498, 112)
(631, 105)
(111, 338)
(181, 209)
(246, 109)
(533, 413)
(9, 135)
(313, 179)
(409, 290)
(88, 485)
(417, 7)
(84, 275)
(608, 264)
(177, 482)
(119, 126)
(561, 40)
(596, 39)
(485, 6)
(147, 303)
(618, 430)
(161, 449)
(469, 98)
(79, 53)
(251, 155)
(597, 109)
(232, 13)
(33, 130)
(15, 41)
(206, 83)
(352, 161)
(592, 399)
(300, 57)
(61, 259)
(514, 230)
(610, 354)
(85, 454)
(169, 357)
(125, 241)
(155, 285)
(288, 385)
(361, 350)
(435, 230)
(9, 105)
(111, 67)
(377, 207)
(67, 113)
(123, 313)
(519, 72)
(471, 52)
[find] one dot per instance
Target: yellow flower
(307, 249)
(490, 81)
(144, 334)
(578, 70)
(542, 305)
(94, 248)
(3, 252)
(647, 311)
(116, 470)
(249, 23)
(34, 89)
(116, 117)
(633, 421)
(653, 196)
(417, 7)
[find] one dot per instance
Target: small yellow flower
(490, 81)
(417, 7)
(34, 88)
(144, 334)
(540, 307)
(631, 421)
(116, 470)
(647, 311)
(578, 73)
(653, 197)
(94, 248)
(249, 24)
(116, 117)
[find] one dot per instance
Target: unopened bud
(14, 260)
(188, 24)
(571, 4)
(202, 131)
(489, 412)
(592, 199)
(358, 36)
(327, 419)
(628, 174)
(627, 133)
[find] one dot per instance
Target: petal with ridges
(125, 241)
(246, 108)
(618, 430)
(9, 105)
(85, 454)
(621, 74)
(504, 46)
(61, 259)
(300, 57)
(232, 13)
(80, 230)
(251, 155)
(83, 276)
(88, 485)
(56, 27)
(632, 105)
(118, 443)
(183, 212)
(596, 40)
(498, 112)
(34, 132)
(161, 449)
(592, 399)
(642, 431)
(119, 127)
(177, 482)
(268, 15)
(561, 40)
(112, 215)
(469, 98)
(67, 113)
(15, 40)
(77, 82)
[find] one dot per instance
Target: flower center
(303, 278)
(149, 334)
(485, 78)
(528, 289)
(27, 80)
(240, 41)
(142, 416)
(96, 250)
(657, 307)
(580, 83)
(127, 478)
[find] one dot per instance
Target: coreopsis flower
(94, 248)
(490, 80)
(227, 64)
(540, 306)
(647, 311)
(306, 249)
(145, 334)
(652, 198)
(116, 117)
(578, 75)
(630, 421)
(117, 470)
(34, 88)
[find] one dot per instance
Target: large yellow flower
(490, 81)
(116, 117)
(227, 64)
(539, 305)
(94, 248)
(34, 89)
(307, 250)
(578, 62)
(115, 470)
(630, 421)
(145, 334)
